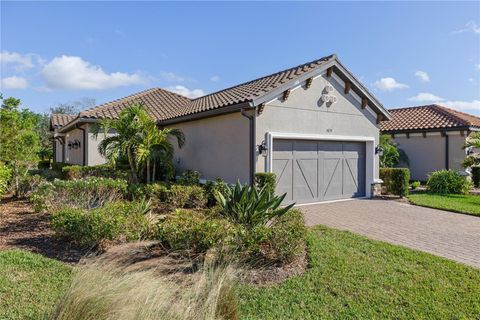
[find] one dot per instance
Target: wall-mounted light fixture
(69, 144)
(263, 149)
(76, 144)
(379, 150)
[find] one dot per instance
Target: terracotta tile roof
(163, 105)
(58, 120)
(158, 102)
(429, 117)
(248, 91)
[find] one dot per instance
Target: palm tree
(471, 143)
(125, 139)
(137, 137)
(156, 146)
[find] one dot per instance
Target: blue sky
(407, 53)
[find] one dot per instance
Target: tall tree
(19, 139)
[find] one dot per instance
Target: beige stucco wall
(216, 147)
(75, 156)
(58, 151)
(427, 154)
(93, 156)
(303, 112)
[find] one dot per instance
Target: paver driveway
(447, 234)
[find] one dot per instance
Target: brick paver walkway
(446, 234)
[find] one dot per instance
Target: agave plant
(250, 207)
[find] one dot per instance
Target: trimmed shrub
(192, 230)
(448, 182)
(476, 176)
(415, 185)
(395, 180)
(101, 171)
(5, 177)
(117, 221)
(153, 191)
(266, 180)
(47, 174)
(211, 188)
(58, 166)
(281, 242)
(182, 196)
(83, 194)
(189, 178)
(43, 164)
(28, 184)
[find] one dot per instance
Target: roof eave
(72, 124)
(460, 128)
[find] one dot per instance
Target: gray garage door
(310, 171)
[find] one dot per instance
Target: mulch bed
(23, 228)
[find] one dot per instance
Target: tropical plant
(19, 139)
(137, 137)
(155, 146)
(250, 207)
(472, 143)
(392, 155)
(5, 175)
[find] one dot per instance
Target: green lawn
(352, 277)
(469, 204)
(29, 284)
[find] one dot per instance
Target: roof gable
(428, 117)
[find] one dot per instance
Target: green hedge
(192, 230)
(83, 194)
(448, 182)
(395, 180)
(58, 166)
(104, 171)
(266, 180)
(117, 221)
(476, 176)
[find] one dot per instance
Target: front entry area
(313, 171)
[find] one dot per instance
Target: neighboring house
(315, 125)
(432, 136)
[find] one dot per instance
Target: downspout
(252, 123)
(447, 160)
(54, 147)
(84, 155)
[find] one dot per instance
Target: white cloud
(19, 61)
(422, 76)
(389, 84)
(472, 106)
(469, 26)
(74, 73)
(215, 78)
(424, 97)
(14, 83)
(172, 77)
(195, 93)
(477, 66)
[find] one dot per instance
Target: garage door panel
(305, 177)
(310, 171)
(332, 179)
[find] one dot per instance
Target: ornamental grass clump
(105, 291)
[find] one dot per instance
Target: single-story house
(315, 125)
(432, 136)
